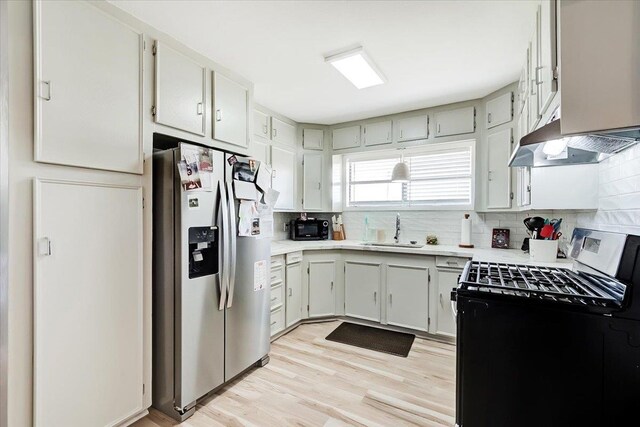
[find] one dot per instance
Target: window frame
(428, 148)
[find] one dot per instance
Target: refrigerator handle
(231, 257)
(224, 246)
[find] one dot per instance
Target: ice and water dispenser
(203, 251)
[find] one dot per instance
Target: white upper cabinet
(566, 187)
(180, 91)
(411, 128)
(456, 122)
(547, 84)
(499, 173)
(312, 167)
(229, 111)
(534, 94)
(283, 162)
(260, 151)
(322, 300)
(88, 88)
(408, 296)
(378, 133)
(500, 110)
(261, 124)
(348, 137)
(313, 139)
(599, 67)
(282, 132)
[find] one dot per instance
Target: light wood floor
(313, 382)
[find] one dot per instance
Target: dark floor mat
(396, 343)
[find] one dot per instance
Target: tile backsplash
(619, 210)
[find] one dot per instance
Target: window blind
(439, 176)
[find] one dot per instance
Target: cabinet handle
(441, 302)
(375, 296)
(390, 299)
(266, 129)
(218, 115)
(273, 298)
(489, 118)
(273, 323)
(438, 127)
(331, 286)
(452, 263)
(199, 108)
(400, 133)
(44, 247)
(290, 291)
(274, 131)
(48, 83)
(489, 176)
(538, 76)
(388, 136)
(318, 186)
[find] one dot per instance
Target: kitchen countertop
(280, 247)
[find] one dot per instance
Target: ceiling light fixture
(356, 66)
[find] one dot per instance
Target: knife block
(339, 233)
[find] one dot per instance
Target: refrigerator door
(247, 335)
(199, 338)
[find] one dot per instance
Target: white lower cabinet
(294, 293)
(445, 320)
(362, 289)
(278, 286)
(408, 296)
(322, 285)
(88, 315)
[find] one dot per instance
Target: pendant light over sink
(401, 171)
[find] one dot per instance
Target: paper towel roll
(465, 232)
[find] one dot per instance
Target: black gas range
(547, 346)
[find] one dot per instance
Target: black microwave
(310, 229)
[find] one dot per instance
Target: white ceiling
(431, 52)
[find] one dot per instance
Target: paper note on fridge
(263, 178)
(246, 213)
(245, 190)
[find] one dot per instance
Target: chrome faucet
(397, 236)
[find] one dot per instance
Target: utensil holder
(543, 250)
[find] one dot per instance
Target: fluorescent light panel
(357, 68)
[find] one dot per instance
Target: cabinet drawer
(277, 295)
(277, 275)
(277, 320)
(451, 262)
(294, 257)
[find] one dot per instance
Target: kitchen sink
(395, 245)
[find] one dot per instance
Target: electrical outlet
(285, 227)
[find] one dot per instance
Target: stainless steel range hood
(546, 146)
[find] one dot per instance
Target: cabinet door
(456, 122)
(322, 301)
(282, 132)
(524, 187)
(88, 78)
(362, 290)
(313, 139)
(260, 151)
(547, 85)
(346, 137)
(534, 106)
(88, 307)
(180, 91)
(230, 111)
(523, 121)
(412, 128)
(566, 187)
(312, 167)
(445, 321)
(408, 296)
(500, 110)
(377, 133)
(499, 174)
(283, 179)
(294, 293)
(261, 124)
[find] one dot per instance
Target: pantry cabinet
(455, 122)
(499, 110)
(282, 132)
(88, 314)
(312, 182)
(499, 173)
(261, 124)
(88, 88)
(411, 128)
(408, 296)
(348, 137)
(283, 178)
(230, 101)
(322, 288)
(179, 90)
(362, 289)
(378, 133)
(313, 139)
(294, 293)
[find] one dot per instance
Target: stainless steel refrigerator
(209, 322)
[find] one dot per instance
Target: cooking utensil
(534, 224)
(547, 232)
